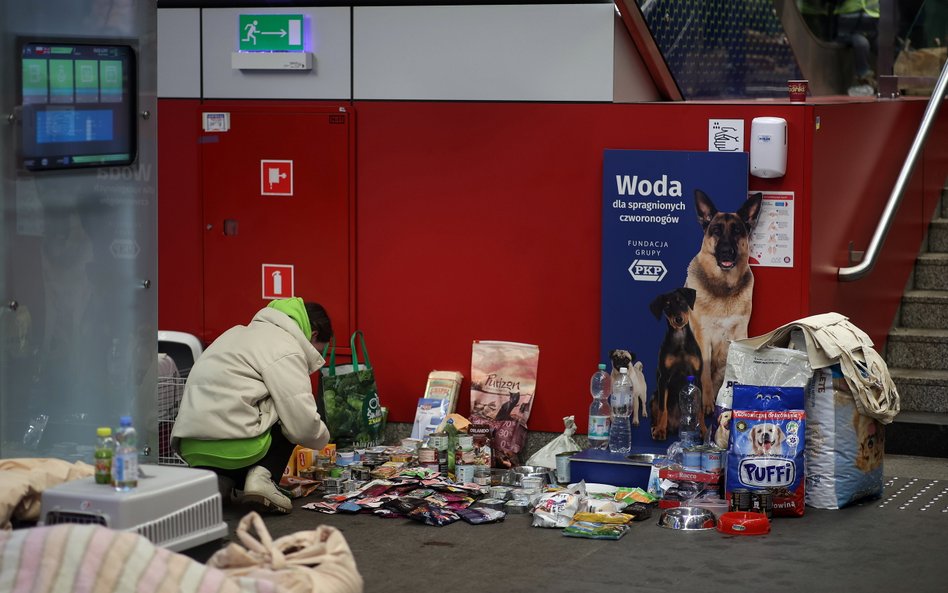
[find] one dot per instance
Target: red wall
(857, 155)
(482, 221)
(180, 233)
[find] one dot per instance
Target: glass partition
(78, 259)
(722, 49)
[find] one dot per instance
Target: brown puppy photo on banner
(721, 277)
(678, 357)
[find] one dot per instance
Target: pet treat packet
(503, 383)
(766, 453)
(556, 509)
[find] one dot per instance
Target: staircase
(917, 351)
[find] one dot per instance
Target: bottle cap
(125, 421)
(623, 370)
(103, 431)
(602, 366)
(691, 378)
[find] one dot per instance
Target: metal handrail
(898, 191)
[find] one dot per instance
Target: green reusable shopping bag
(353, 411)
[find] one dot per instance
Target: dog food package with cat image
(779, 367)
(503, 383)
(768, 433)
(844, 448)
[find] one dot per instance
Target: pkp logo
(648, 270)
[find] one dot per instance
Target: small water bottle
(600, 412)
(125, 460)
(104, 450)
(689, 402)
(620, 433)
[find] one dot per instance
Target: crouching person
(248, 401)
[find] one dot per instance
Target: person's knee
(860, 43)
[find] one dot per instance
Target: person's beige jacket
(250, 377)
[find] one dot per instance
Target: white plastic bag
(564, 443)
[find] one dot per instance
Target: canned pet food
(562, 466)
(482, 475)
(466, 442)
(741, 500)
(439, 440)
(712, 460)
(427, 455)
(345, 457)
(464, 473)
(531, 483)
(763, 502)
(691, 458)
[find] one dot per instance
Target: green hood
(296, 309)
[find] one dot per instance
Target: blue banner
(650, 233)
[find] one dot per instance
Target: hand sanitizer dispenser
(768, 147)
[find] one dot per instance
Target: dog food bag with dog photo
(768, 430)
(503, 382)
(844, 448)
(778, 367)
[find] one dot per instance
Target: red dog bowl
(742, 523)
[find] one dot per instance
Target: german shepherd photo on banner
(724, 285)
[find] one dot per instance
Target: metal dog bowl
(642, 457)
(517, 474)
(687, 519)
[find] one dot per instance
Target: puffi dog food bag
(768, 429)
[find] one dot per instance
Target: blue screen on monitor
(78, 105)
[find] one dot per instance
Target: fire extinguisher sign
(276, 178)
(277, 281)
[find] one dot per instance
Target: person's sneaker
(260, 492)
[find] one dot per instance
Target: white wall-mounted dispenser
(768, 147)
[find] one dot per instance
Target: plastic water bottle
(104, 450)
(125, 460)
(620, 433)
(689, 402)
(600, 412)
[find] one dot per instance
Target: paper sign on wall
(277, 281)
(726, 135)
(771, 243)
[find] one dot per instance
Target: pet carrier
(170, 389)
(173, 507)
(177, 353)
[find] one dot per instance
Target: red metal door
(277, 212)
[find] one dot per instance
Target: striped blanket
(94, 559)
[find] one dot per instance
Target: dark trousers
(274, 460)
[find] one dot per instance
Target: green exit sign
(271, 32)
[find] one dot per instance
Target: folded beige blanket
(22, 482)
(95, 559)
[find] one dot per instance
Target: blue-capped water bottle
(125, 460)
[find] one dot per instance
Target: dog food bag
(768, 432)
(503, 382)
(844, 448)
(779, 367)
